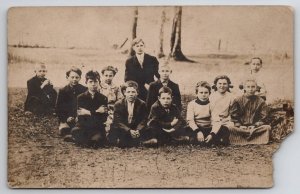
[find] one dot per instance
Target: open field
(37, 157)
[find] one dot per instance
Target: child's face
(222, 85)
(203, 93)
(92, 85)
(139, 48)
(250, 87)
(130, 94)
(108, 76)
(73, 78)
(165, 73)
(255, 65)
(41, 72)
(165, 99)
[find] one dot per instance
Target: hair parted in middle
(222, 77)
(204, 84)
(109, 68)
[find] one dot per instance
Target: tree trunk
(161, 35)
(175, 51)
(134, 27)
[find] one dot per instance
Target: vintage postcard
(148, 97)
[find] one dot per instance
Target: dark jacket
(95, 120)
(66, 104)
(141, 73)
(247, 110)
(152, 96)
(139, 120)
(160, 118)
(38, 98)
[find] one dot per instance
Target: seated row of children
(85, 114)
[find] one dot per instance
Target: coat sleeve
(177, 97)
(119, 118)
(150, 97)
(156, 67)
(128, 74)
(235, 112)
(143, 114)
(155, 120)
(60, 108)
(263, 112)
(190, 117)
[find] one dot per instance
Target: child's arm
(119, 119)
(156, 121)
(177, 97)
(263, 113)
(190, 116)
(156, 64)
(142, 114)
(236, 113)
(150, 97)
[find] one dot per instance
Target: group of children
(102, 113)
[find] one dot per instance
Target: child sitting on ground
(130, 118)
(164, 80)
(41, 95)
(248, 113)
(66, 105)
(92, 114)
(165, 120)
(199, 119)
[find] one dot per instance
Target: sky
(240, 29)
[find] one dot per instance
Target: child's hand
(208, 138)
(257, 124)
(83, 111)
(237, 124)
(134, 133)
(147, 86)
(243, 127)
(174, 122)
(102, 109)
(70, 120)
(169, 130)
(200, 136)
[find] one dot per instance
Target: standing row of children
(102, 113)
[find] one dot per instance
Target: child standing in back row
(164, 71)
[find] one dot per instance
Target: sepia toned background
(90, 38)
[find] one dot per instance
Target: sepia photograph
(148, 96)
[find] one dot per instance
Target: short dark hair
(258, 58)
(93, 75)
(129, 84)
(203, 84)
(109, 68)
(165, 89)
(74, 69)
(222, 77)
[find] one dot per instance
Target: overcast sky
(241, 29)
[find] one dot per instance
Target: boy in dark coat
(41, 95)
(66, 105)
(141, 68)
(92, 114)
(164, 80)
(165, 120)
(130, 118)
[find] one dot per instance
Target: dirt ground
(39, 158)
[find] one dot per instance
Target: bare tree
(161, 34)
(134, 27)
(175, 51)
